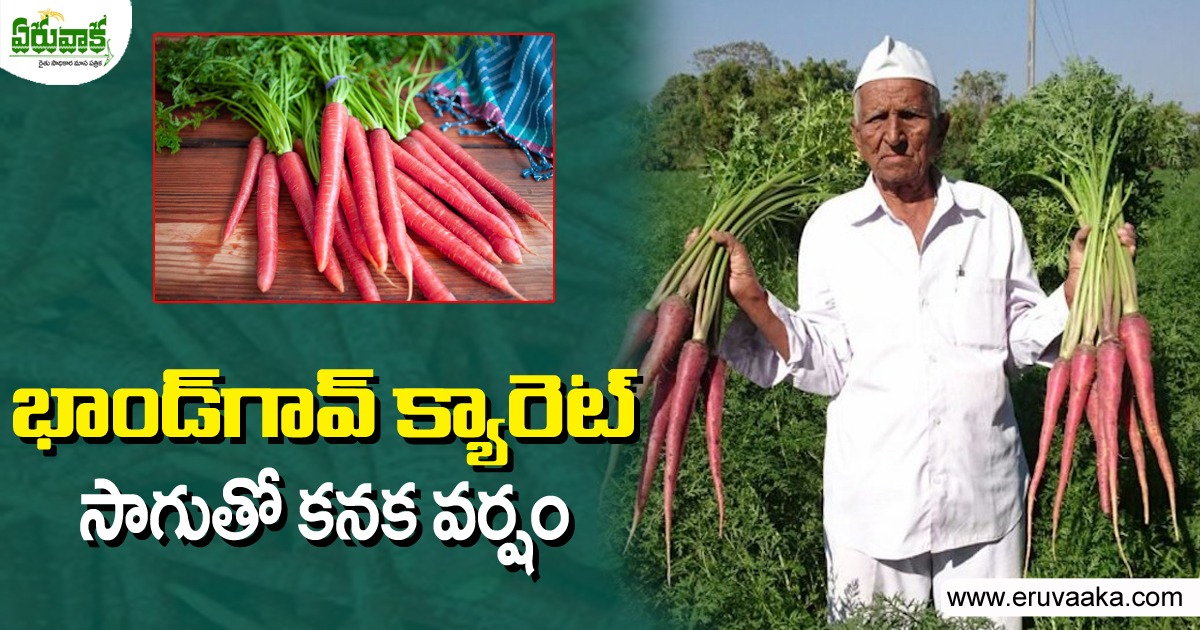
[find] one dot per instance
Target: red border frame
(154, 171)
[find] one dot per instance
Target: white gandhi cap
(893, 59)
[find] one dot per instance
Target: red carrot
(1110, 359)
(518, 236)
(1083, 370)
(1130, 418)
(333, 148)
(714, 408)
(478, 217)
(500, 213)
(298, 147)
(1110, 368)
(428, 282)
(268, 222)
(300, 188)
(674, 324)
(664, 383)
(637, 332)
(349, 211)
(1092, 411)
(258, 146)
(470, 184)
(349, 207)
(1056, 390)
(441, 239)
(509, 249)
(481, 174)
(1134, 332)
(506, 248)
(362, 177)
(343, 242)
(443, 215)
(389, 203)
(422, 151)
(360, 270)
(692, 360)
(397, 238)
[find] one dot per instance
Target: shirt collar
(875, 206)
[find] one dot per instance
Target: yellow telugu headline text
(349, 412)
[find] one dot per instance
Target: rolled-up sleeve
(1033, 336)
(1036, 321)
(748, 352)
(818, 350)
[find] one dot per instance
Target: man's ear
(854, 137)
(943, 127)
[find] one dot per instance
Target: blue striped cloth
(510, 86)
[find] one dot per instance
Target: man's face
(896, 132)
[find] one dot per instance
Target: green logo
(61, 46)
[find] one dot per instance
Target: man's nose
(892, 134)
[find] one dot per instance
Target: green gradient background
(75, 189)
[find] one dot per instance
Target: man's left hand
(1126, 234)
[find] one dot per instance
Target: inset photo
(335, 168)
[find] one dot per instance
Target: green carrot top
(255, 78)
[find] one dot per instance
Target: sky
(1152, 44)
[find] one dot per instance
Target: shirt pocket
(979, 319)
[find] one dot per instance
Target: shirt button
(924, 302)
(932, 358)
(937, 421)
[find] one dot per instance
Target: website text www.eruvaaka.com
(1096, 597)
(1083, 597)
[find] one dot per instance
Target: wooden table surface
(194, 190)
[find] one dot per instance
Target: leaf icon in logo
(48, 13)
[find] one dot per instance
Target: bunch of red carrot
(763, 178)
(681, 324)
(1104, 335)
(382, 173)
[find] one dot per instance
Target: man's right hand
(744, 286)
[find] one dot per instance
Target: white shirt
(922, 452)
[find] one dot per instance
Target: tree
(835, 75)
(778, 91)
(717, 87)
(1172, 130)
(691, 113)
(755, 57)
(979, 92)
(1193, 154)
(670, 126)
(975, 96)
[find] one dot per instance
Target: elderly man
(916, 297)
